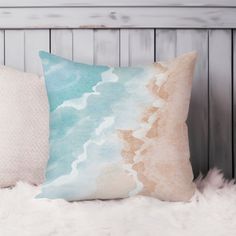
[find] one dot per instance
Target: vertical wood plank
(139, 43)
(197, 40)
(2, 50)
(22, 47)
(35, 40)
(83, 45)
(124, 47)
(234, 101)
(15, 49)
(220, 98)
(165, 44)
(62, 43)
(106, 46)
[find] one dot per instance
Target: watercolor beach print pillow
(118, 132)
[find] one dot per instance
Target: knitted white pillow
(23, 127)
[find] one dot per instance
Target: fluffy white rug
(212, 211)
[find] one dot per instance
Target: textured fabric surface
(23, 127)
(118, 132)
(211, 212)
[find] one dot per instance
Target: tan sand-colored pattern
(161, 158)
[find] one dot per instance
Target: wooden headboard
(128, 32)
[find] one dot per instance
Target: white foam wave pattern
(52, 68)
(107, 122)
(73, 175)
(68, 178)
(141, 133)
(134, 174)
(81, 103)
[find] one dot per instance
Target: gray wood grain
(2, 50)
(83, 45)
(124, 47)
(15, 45)
(22, 47)
(137, 47)
(106, 47)
(234, 103)
(197, 40)
(220, 100)
(118, 17)
(165, 44)
(35, 40)
(62, 43)
(66, 3)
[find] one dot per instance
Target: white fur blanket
(212, 211)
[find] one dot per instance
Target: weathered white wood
(137, 47)
(2, 50)
(66, 3)
(118, 17)
(197, 40)
(83, 45)
(62, 43)
(141, 44)
(234, 102)
(22, 47)
(15, 49)
(165, 44)
(35, 40)
(124, 47)
(106, 46)
(220, 95)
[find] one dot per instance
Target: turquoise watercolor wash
(87, 104)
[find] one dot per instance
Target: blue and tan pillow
(118, 132)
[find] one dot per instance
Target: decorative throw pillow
(118, 132)
(23, 127)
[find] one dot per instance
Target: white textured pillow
(23, 127)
